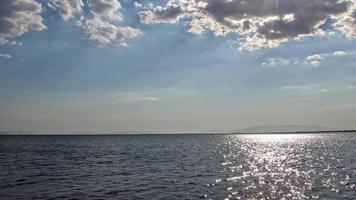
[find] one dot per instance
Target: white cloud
(315, 63)
(169, 14)
(347, 22)
(316, 59)
(138, 5)
(100, 31)
(339, 53)
(15, 43)
(308, 89)
(102, 23)
(105, 33)
(278, 62)
(104, 27)
(144, 98)
(126, 33)
(18, 17)
(296, 87)
(67, 8)
(5, 55)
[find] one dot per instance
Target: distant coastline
(298, 132)
(15, 133)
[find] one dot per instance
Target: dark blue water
(308, 166)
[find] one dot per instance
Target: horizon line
(91, 133)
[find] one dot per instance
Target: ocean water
(303, 166)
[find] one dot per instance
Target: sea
(172, 166)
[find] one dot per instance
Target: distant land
(298, 132)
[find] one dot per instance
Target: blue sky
(121, 65)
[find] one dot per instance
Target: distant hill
(283, 128)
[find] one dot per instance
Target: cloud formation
(254, 23)
(276, 62)
(144, 98)
(18, 17)
(347, 22)
(316, 59)
(109, 9)
(103, 27)
(169, 14)
(106, 33)
(5, 55)
(66, 8)
(102, 23)
(339, 53)
(257, 23)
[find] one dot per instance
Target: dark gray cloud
(307, 15)
(264, 8)
(105, 8)
(260, 23)
(169, 13)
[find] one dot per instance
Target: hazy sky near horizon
(176, 65)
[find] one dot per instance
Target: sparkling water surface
(281, 166)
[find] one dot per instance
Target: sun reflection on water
(279, 166)
(274, 138)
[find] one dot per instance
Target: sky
(176, 65)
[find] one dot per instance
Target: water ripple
(303, 166)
